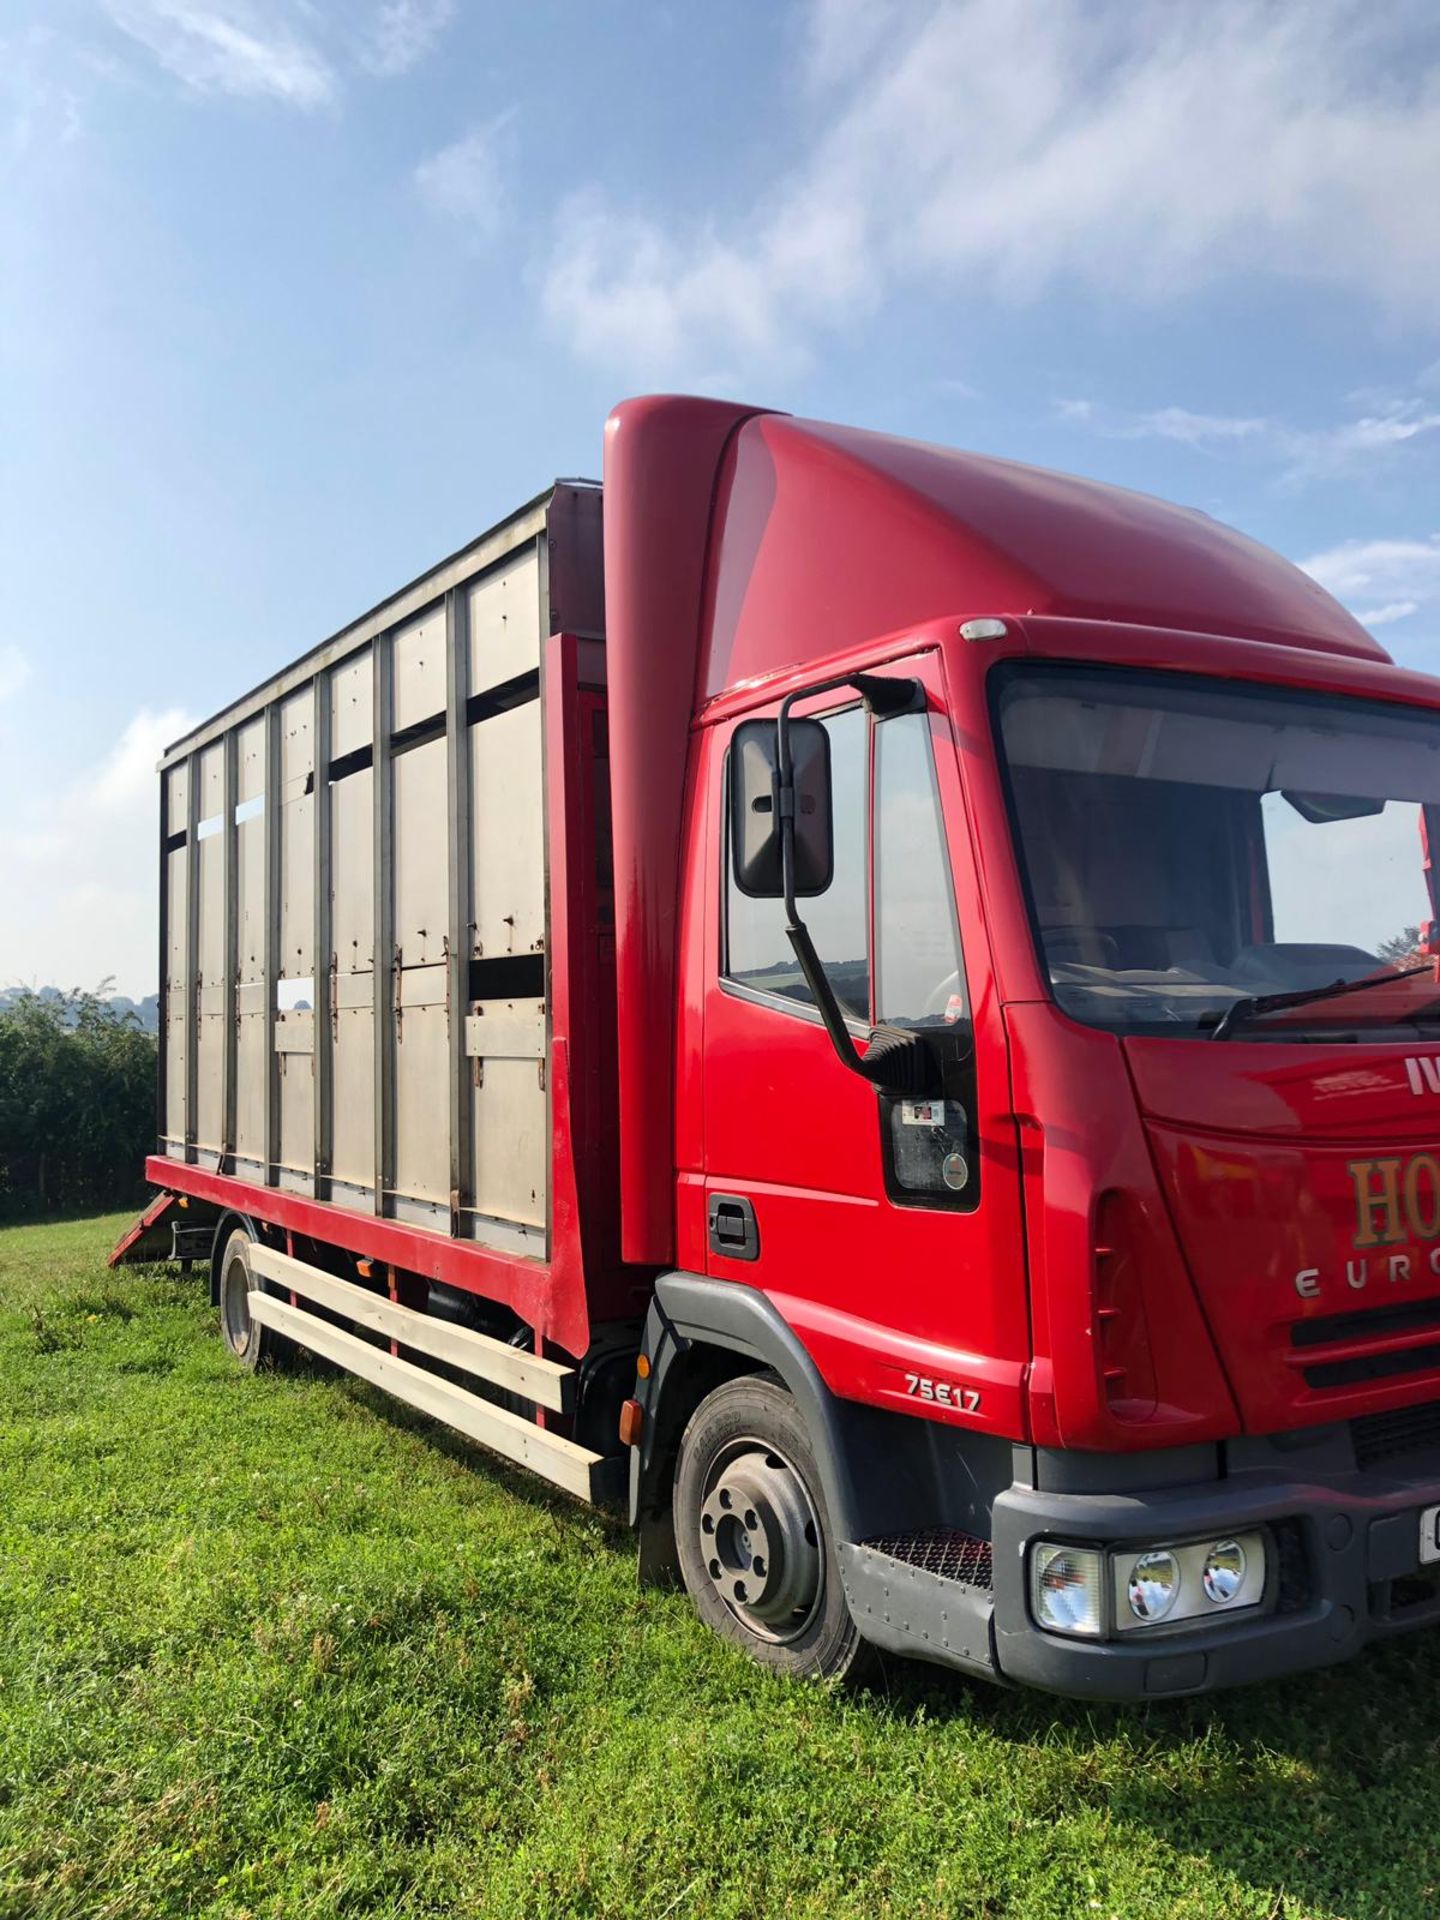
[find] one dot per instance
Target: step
(546, 1383)
(560, 1461)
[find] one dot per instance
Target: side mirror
(754, 822)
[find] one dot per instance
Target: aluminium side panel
(365, 914)
(293, 988)
(249, 826)
(211, 982)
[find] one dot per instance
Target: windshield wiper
(1258, 1003)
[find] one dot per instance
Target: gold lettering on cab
(1396, 1199)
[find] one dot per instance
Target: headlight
(1065, 1588)
(1153, 1585)
(1223, 1574)
(1170, 1584)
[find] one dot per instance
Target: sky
(297, 297)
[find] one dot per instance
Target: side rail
(545, 1383)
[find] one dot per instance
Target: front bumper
(1344, 1570)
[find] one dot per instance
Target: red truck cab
(1110, 1331)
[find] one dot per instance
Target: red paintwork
(1127, 1280)
(661, 457)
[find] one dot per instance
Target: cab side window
(758, 954)
(918, 970)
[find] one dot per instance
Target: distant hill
(146, 1011)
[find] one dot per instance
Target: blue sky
(296, 297)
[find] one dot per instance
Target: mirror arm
(813, 973)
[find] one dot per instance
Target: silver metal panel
(422, 1132)
(295, 1033)
(297, 839)
(297, 1112)
(352, 706)
(422, 912)
(324, 963)
(511, 1141)
(505, 621)
(210, 1081)
(383, 977)
(250, 764)
(457, 878)
(508, 833)
(420, 668)
(352, 1154)
(506, 1030)
(212, 787)
(250, 1074)
(177, 797)
(547, 1453)
(352, 872)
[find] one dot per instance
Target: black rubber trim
(689, 1308)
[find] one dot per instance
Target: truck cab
(1057, 1159)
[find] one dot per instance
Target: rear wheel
(251, 1344)
(755, 1542)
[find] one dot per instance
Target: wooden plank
(545, 1382)
(560, 1461)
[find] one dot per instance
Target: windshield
(1188, 844)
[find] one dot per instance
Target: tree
(1402, 946)
(77, 1102)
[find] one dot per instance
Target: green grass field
(274, 1647)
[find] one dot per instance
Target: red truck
(844, 984)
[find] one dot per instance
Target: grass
(273, 1647)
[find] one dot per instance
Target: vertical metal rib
(323, 1054)
(457, 761)
(229, 1058)
(164, 1121)
(384, 968)
(192, 954)
(272, 939)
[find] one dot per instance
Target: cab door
(887, 1231)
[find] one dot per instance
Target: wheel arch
(700, 1333)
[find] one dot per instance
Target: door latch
(733, 1229)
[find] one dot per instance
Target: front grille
(1353, 1330)
(1292, 1569)
(954, 1556)
(1381, 1438)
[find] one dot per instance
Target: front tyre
(755, 1543)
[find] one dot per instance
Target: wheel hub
(760, 1541)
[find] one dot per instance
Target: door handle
(734, 1231)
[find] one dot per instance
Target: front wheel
(755, 1543)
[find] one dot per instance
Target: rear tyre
(755, 1542)
(252, 1345)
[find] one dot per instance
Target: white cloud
(467, 180)
(14, 672)
(403, 33)
(1383, 616)
(83, 860)
(1303, 453)
(1382, 581)
(231, 46)
(1138, 148)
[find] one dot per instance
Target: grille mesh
(954, 1556)
(1382, 1437)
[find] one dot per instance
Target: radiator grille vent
(1369, 1343)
